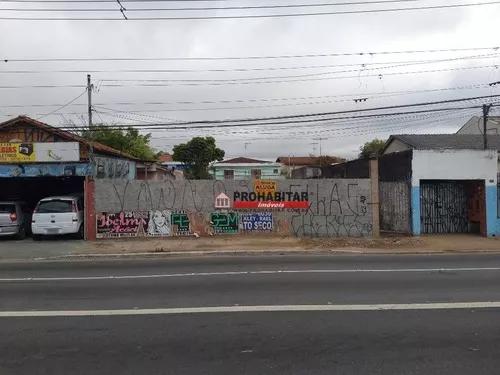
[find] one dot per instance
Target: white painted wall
(454, 165)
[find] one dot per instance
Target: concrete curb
(254, 252)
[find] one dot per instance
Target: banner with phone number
(259, 221)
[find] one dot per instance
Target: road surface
(407, 314)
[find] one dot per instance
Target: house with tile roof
(242, 168)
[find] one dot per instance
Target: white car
(58, 215)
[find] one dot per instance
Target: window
(7, 208)
(228, 174)
(256, 173)
(54, 206)
(276, 171)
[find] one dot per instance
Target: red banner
(271, 204)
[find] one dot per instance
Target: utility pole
(320, 153)
(486, 111)
(314, 144)
(319, 139)
(89, 94)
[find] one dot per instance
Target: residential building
(475, 126)
(313, 165)
(446, 182)
(38, 160)
(242, 168)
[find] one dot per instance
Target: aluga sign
(278, 199)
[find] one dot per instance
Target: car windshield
(7, 208)
(54, 206)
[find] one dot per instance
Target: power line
(243, 81)
(63, 106)
(264, 120)
(204, 8)
(42, 86)
(188, 125)
(338, 54)
(235, 81)
(372, 95)
(403, 116)
(248, 16)
(179, 1)
(362, 66)
(264, 79)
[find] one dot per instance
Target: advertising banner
(264, 186)
(276, 200)
(258, 221)
(39, 152)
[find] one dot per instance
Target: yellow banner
(264, 186)
(17, 152)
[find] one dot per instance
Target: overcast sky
(469, 27)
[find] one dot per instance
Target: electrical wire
(371, 95)
(234, 81)
(281, 78)
(63, 106)
(215, 124)
(249, 16)
(362, 66)
(321, 115)
(338, 54)
(205, 8)
(190, 1)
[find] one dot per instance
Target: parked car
(58, 215)
(14, 219)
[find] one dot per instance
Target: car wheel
(21, 235)
(37, 237)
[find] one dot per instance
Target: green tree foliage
(129, 141)
(372, 149)
(198, 153)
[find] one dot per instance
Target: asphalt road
(368, 315)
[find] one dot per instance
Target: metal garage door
(443, 207)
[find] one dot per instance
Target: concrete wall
(333, 208)
(456, 165)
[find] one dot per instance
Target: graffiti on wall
(181, 224)
(159, 223)
(113, 168)
(331, 207)
(342, 212)
(257, 221)
(224, 222)
(122, 224)
(155, 223)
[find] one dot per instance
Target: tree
(129, 141)
(372, 149)
(198, 153)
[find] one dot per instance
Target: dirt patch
(365, 243)
(441, 243)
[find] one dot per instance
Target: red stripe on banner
(271, 204)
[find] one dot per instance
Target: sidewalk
(71, 249)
